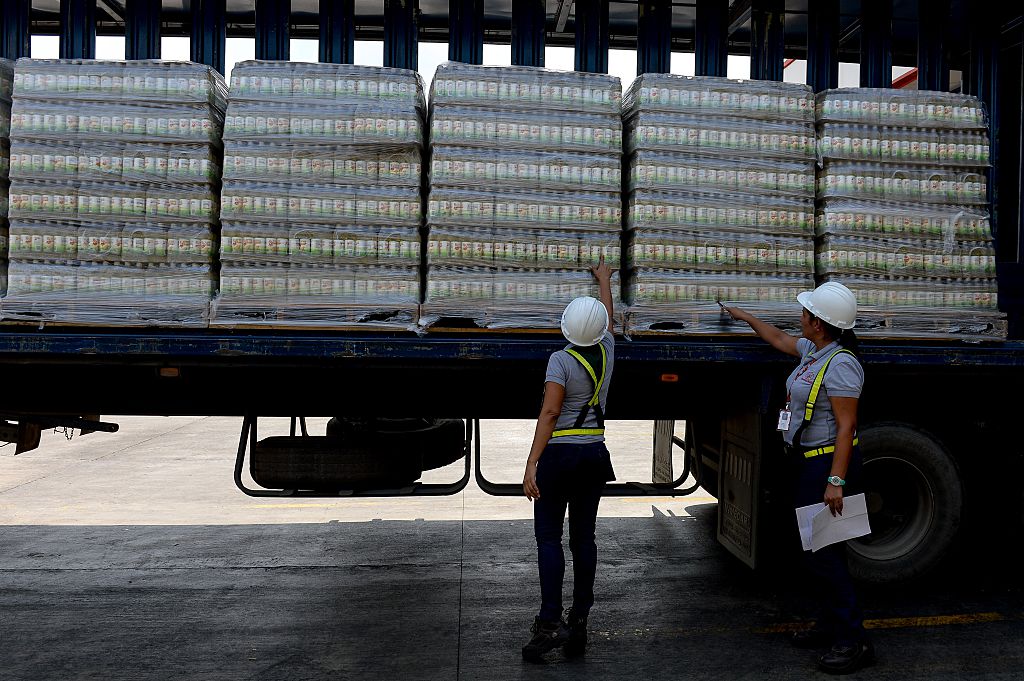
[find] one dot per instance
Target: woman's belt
(827, 449)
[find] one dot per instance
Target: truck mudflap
(739, 486)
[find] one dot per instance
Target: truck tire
(438, 441)
(915, 500)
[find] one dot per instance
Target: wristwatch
(836, 480)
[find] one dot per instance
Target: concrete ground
(133, 556)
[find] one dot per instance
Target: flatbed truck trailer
(939, 420)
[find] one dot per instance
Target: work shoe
(577, 625)
(546, 637)
(812, 638)
(844, 659)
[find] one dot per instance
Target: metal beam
(823, 45)
(209, 37)
(401, 39)
(592, 36)
(740, 13)
(767, 39)
(77, 29)
(112, 9)
(528, 19)
(932, 57)
(273, 19)
(712, 43)
(654, 37)
(142, 29)
(562, 14)
(466, 31)
(338, 32)
(15, 38)
(876, 43)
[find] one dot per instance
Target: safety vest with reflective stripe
(812, 398)
(595, 401)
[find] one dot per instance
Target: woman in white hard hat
(568, 467)
(820, 438)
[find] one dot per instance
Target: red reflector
(670, 378)
(169, 372)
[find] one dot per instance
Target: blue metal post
(273, 18)
(77, 29)
(654, 37)
(528, 19)
(767, 39)
(712, 44)
(209, 34)
(338, 32)
(932, 57)
(466, 31)
(592, 36)
(401, 39)
(142, 29)
(876, 43)
(823, 44)
(14, 32)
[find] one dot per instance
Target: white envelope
(819, 528)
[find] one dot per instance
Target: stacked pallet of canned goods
(6, 84)
(903, 212)
(114, 171)
(525, 181)
(720, 200)
(321, 204)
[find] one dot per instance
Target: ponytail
(846, 337)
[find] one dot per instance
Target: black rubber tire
(439, 441)
(915, 501)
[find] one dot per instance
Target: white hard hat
(832, 303)
(584, 321)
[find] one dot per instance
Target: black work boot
(845, 659)
(546, 637)
(577, 625)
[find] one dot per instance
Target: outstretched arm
(603, 274)
(776, 337)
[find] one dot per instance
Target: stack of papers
(819, 528)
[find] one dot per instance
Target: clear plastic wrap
(104, 294)
(703, 95)
(263, 81)
(114, 242)
(718, 135)
(6, 80)
(63, 160)
(661, 171)
(490, 167)
(506, 298)
(321, 122)
(257, 161)
(290, 295)
(686, 302)
(709, 251)
(561, 210)
(891, 182)
(844, 216)
(525, 88)
(5, 119)
(901, 108)
(255, 201)
(522, 248)
(525, 130)
(906, 258)
(298, 244)
(128, 201)
(956, 148)
(760, 213)
(153, 80)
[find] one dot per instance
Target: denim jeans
(839, 613)
(568, 476)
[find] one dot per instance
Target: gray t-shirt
(566, 371)
(844, 378)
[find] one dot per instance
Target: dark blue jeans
(568, 476)
(839, 612)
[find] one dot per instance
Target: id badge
(785, 417)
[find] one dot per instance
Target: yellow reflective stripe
(825, 450)
(813, 397)
(578, 431)
(598, 382)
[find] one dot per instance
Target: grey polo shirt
(844, 378)
(566, 371)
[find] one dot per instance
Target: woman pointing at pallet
(568, 467)
(818, 425)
